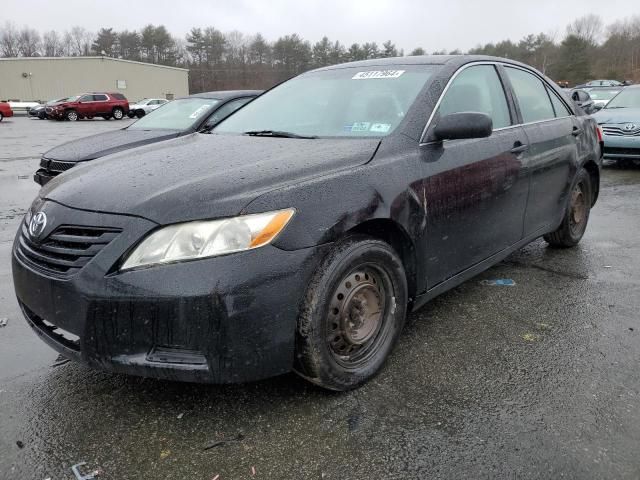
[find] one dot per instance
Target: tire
(42, 116)
(1, 116)
(362, 279)
(117, 113)
(71, 115)
(576, 215)
(131, 114)
(140, 113)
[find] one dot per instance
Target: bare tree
(51, 44)
(9, 41)
(588, 28)
(29, 42)
(81, 41)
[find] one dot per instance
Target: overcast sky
(433, 25)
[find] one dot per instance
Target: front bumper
(218, 320)
(622, 147)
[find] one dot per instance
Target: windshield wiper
(611, 108)
(276, 133)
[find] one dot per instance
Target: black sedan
(303, 229)
(39, 110)
(174, 119)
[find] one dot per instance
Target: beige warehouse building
(46, 78)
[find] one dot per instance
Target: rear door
(475, 190)
(551, 131)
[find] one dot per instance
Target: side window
(532, 96)
(558, 106)
(86, 98)
(100, 98)
(478, 89)
(226, 110)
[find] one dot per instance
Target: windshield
(71, 99)
(349, 102)
(143, 101)
(176, 115)
(602, 94)
(627, 98)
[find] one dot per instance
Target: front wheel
(1, 116)
(352, 315)
(576, 216)
(71, 115)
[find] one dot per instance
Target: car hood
(201, 176)
(618, 115)
(96, 146)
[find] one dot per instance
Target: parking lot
(535, 380)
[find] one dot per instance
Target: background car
(602, 95)
(175, 119)
(601, 83)
(40, 110)
(5, 110)
(144, 106)
(620, 123)
(89, 105)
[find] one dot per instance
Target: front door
(475, 190)
(85, 106)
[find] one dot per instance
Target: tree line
(221, 60)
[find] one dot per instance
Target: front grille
(66, 250)
(616, 131)
(56, 165)
(621, 151)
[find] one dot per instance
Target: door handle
(576, 131)
(519, 147)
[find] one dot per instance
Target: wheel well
(390, 232)
(594, 172)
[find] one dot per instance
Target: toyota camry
(299, 233)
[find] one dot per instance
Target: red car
(89, 105)
(5, 110)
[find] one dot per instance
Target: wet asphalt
(535, 381)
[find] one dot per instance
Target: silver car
(144, 106)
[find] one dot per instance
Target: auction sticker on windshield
(199, 111)
(377, 74)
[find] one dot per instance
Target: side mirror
(457, 126)
(597, 108)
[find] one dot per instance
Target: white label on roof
(377, 74)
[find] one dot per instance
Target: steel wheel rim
(72, 116)
(357, 313)
(117, 114)
(578, 208)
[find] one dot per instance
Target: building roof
(90, 58)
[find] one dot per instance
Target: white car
(144, 106)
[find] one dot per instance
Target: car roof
(226, 94)
(453, 60)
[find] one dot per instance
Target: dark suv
(89, 105)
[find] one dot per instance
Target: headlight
(192, 240)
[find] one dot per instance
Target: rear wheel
(140, 113)
(576, 215)
(354, 311)
(118, 113)
(71, 115)
(1, 116)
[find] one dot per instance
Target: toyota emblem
(37, 224)
(629, 127)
